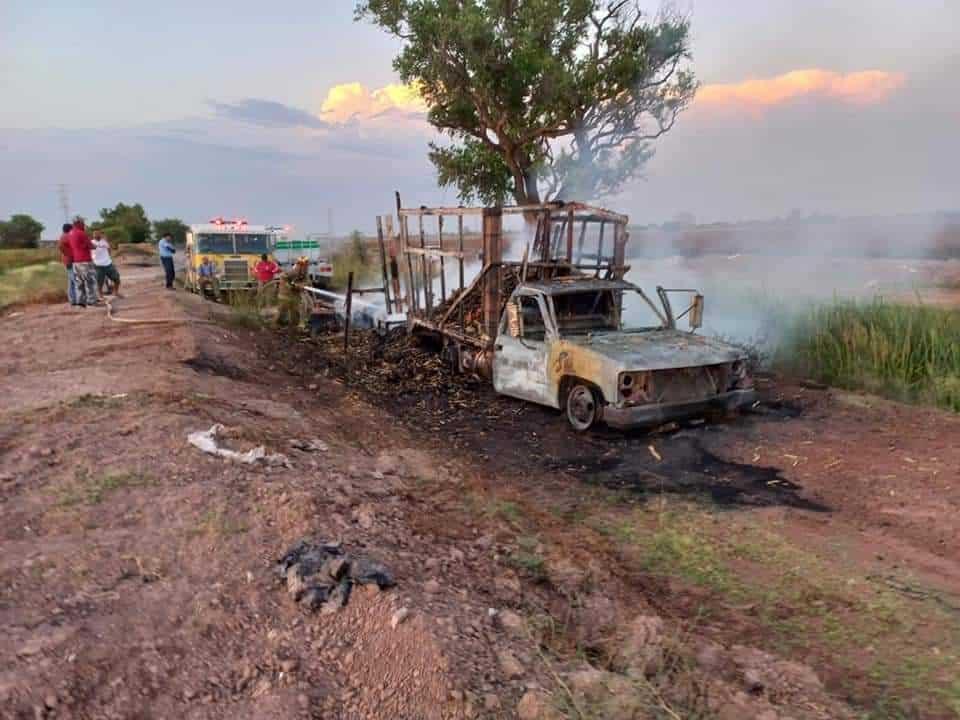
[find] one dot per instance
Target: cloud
(354, 101)
(866, 87)
(267, 113)
(292, 179)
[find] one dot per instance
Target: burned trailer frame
(548, 328)
(466, 316)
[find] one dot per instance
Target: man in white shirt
(103, 263)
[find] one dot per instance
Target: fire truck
(234, 247)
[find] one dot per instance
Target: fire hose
(135, 321)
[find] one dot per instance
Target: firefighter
(289, 296)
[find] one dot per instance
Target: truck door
(522, 349)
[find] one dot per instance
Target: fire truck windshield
(215, 243)
(248, 244)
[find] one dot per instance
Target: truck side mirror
(513, 319)
(696, 312)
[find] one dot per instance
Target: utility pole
(330, 222)
(64, 198)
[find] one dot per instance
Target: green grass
(246, 310)
(91, 489)
(674, 549)
(528, 559)
(22, 257)
(33, 284)
(905, 352)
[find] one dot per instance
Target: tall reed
(907, 352)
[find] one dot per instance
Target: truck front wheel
(583, 407)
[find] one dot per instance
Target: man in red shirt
(85, 279)
(63, 245)
(266, 270)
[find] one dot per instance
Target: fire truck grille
(235, 271)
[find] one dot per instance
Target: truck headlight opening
(634, 387)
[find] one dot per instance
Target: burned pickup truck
(561, 327)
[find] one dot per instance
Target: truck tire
(582, 406)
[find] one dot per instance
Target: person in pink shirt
(84, 276)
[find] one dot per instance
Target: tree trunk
(527, 192)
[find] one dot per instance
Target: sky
(289, 113)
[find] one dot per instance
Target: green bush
(20, 231)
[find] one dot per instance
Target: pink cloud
(867, 87)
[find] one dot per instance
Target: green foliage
(477, 173)
(116, 234)
(132, 218)
(907, 352)
(557, 99)
(176, 227)
(20, 231)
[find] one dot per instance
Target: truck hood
(658, 349)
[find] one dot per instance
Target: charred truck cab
(561, 327)
(563, 344)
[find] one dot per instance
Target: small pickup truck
(563, 343)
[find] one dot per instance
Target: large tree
(131, 218)
(541, 99)
(20, 231)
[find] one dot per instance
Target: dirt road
(798, 563)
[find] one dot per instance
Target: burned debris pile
(321, 575)
(399, 368)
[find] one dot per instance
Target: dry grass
(805, 603)
(22, 257)
(33, 284)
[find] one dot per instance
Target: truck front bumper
(237, 284)
(659, 413)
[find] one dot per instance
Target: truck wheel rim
(581, 407)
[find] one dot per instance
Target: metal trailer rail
(559, 248)
(565, 240)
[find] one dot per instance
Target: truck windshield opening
(581, 313)
(215, 244)
(252, 244)
(599, 311)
